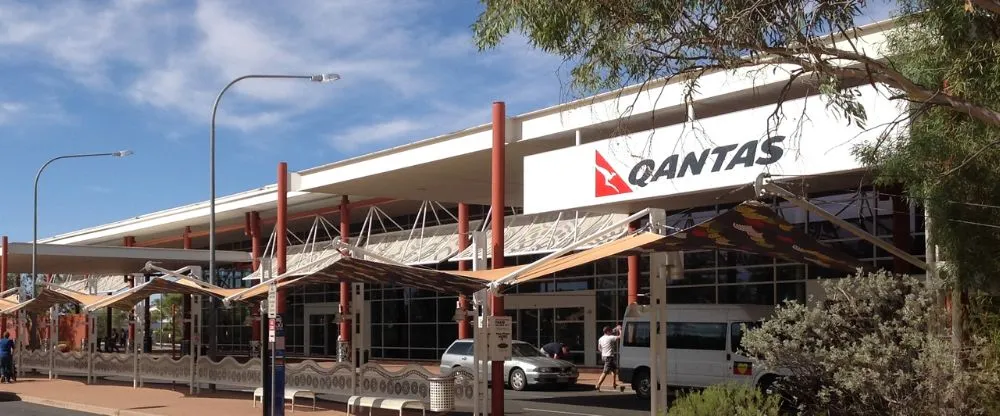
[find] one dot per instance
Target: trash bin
(442, 393)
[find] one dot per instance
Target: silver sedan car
(527, 366)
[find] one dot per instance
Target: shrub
(868, 350)
(725, 399)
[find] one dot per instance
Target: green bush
(869, 349)
(726, 399)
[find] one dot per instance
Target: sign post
(276, 337)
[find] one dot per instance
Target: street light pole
(212, 319)
(34, 236)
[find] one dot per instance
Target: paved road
(579, 401)
(15, 408)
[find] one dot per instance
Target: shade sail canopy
(429, 245)
(155, 285)
(69, 259)
(371, 272)
(43, 300)
(547, 267)
(754, 227)
(549, 232)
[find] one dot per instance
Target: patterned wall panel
(229, 372)
(74, 362)
(410, 382)
(320, 378)
(162, 367)
(113, 364)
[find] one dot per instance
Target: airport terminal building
(569, 170)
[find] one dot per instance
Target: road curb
(78, 407)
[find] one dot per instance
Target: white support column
(140, 329)
(662, 267)
(91, 345)
(22, 334)
(51, 344)
(480, 334)
(359, 325)
(135, 345)
(195, 344)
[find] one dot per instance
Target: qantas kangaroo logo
(607, 182)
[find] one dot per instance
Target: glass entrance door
(323, 331)
(544, 325)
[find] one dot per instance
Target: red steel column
(253, 230)
(633, 271)
(498, 181)
(129, 241)
(281, 229)
(345, 287)
(464, 329)
(3, 278)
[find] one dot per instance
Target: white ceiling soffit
(549, 232)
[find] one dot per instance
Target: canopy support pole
(49, 344)
(764, 186)
(91, 345)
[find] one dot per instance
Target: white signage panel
(720, 152)
(501, 338)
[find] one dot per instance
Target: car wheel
(518, 380)
(640, 383)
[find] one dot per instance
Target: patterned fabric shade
(754, 227)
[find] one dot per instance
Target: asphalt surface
(579, 401)
(18, 408)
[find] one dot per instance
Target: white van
(702, 341)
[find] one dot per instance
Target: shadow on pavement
(606, 400)
(6, 396)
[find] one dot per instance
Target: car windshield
(524, 350)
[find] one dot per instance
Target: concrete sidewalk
(114, 398)
(119, 398)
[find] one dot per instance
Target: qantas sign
(716, 159)
(674, 162)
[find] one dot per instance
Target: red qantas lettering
(607, 181)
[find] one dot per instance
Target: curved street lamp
(319, 78)
(34, 237)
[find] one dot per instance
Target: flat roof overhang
(69, 259)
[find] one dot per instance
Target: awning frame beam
(764, 185)
(495, 285)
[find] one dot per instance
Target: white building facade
(569, 168)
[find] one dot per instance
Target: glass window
(424, 310)
(575, 284)
(696, 336)
(791, 272)
(395, 311)
(395, 336)
(636, 334)
(699, 259)
(747, 294)
(736, 333)
(792, 292)
(423, 336)
(700, 294)
(746, 275)
(447, 333)
(696, 277)
(740, 258)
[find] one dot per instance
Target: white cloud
(9, 110)
(176, 57)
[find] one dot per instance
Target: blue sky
(96, 76)
(103, 75)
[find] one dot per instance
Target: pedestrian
(6, 359)
(556, 350)
(608, 345)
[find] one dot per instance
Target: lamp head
(122, 153)
(330, 77)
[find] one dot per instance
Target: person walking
(6, 359)
(608, 345)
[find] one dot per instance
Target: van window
(636, 334)
(696, 336)
(736, 333)
(460, 348)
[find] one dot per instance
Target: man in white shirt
(608, 345)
